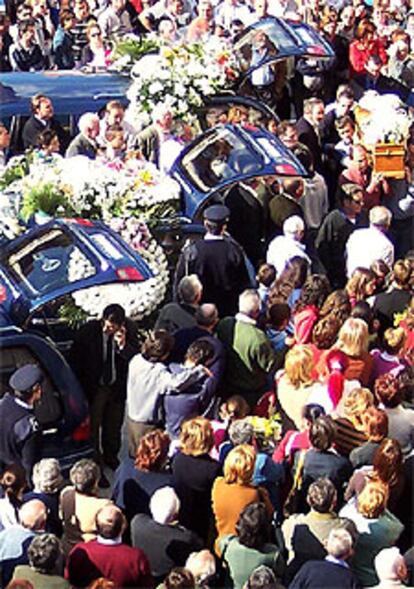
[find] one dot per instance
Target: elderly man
(149, 140)
(45, 563)
(181, 314)
(15, 541)
(250, 356)
(391, 569)
(219, 262)
(289, 245)
(85, 142)
(166, 543)
(365, 246)
(108, 556)
(19, 434)
(334, 571)
(286, 203)
(115, 20)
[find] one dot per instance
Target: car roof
(72, 92)
(254, 153)
(31, 277)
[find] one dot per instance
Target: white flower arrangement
(385, 120)
(180, 77)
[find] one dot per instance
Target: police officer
(218, 260)
(19, 431)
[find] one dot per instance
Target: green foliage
(135, 49)
(46, 198)
(13, 173)
(72, 314)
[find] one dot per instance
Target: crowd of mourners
(296, 307)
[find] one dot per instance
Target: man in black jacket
(100, 356)
(42, 119)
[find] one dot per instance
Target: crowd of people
(296, 306)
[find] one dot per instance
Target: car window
(219, 157)
(49, 261)
(263, 43)
(49, 410)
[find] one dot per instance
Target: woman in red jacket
(365, 44)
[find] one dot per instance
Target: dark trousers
(107, 416)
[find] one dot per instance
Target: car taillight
(128, 273)
(286, 169)
(315, 50)
(85, 222)
(83, 432)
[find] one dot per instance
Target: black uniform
(19, 434)
(220, 264)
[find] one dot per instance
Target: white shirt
(282, 249)
(365, 246)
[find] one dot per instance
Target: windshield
(263, 43)
(48, 262)
(220, 157)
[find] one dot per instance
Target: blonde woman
(361, 285)
(349, 426)
(232, 492)
(295, 384)
(194, 472)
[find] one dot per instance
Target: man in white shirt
(365, 246)
(287, 246)
(115, 20)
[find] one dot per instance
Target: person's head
(340, 544)
(167, 29)
(13, 482)
(162, 117)
(33, 515)
(388, 462)
(48, 141)
(81, 10)
(299, 364)
(322, 433)
(196, 436)
(202, 565)
(402, 274)
(361, 284)
(84, 476)
(89, 125)
(190, 289)
(114, 112)
(351, 198)
(359, 158)
(372, 500)
(287, 133)
(241, 432)
(305, 157)
(238, 114)
(207, 316)
(294, 187)
(4, 137)
(344, 100)
(278, 316)
(179, 578)
(380, 217)
(42, 107)
(314, 110)
(23, 12)
(26, 383)
(253, 526)
(27, 32)
(292, 277)
(322, 496)
(388, 390)
(266, 274)
(164, 505)
(294, 227)
(115, 137)
(110, 522)
(336, 304)
(94, 33)
(235, 407)
(373, 66)
(325, 332)
(345, 127)
(46, 476)
(262, 577)
(393, 340)
(375, 424)
(363, 311)
(356, 402)
(365, 31)
(249, 303)
(239, 465)
(101, 583)
(113, 318)
(353, 337)
(157, 346)
(118, 5)
(390, 565)
(199, 352)
(314, 292)
(215, 218)
(381, 271)
(67, 19)
(152, 451)
(45, 553)
(310, 413)
(20, 584)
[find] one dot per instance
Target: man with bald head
(107, 556)
(15, 540)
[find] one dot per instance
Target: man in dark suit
(334, 571)
(308, 129)
(85, 142)
(286, 204)
(100, 356)
(42, 119)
